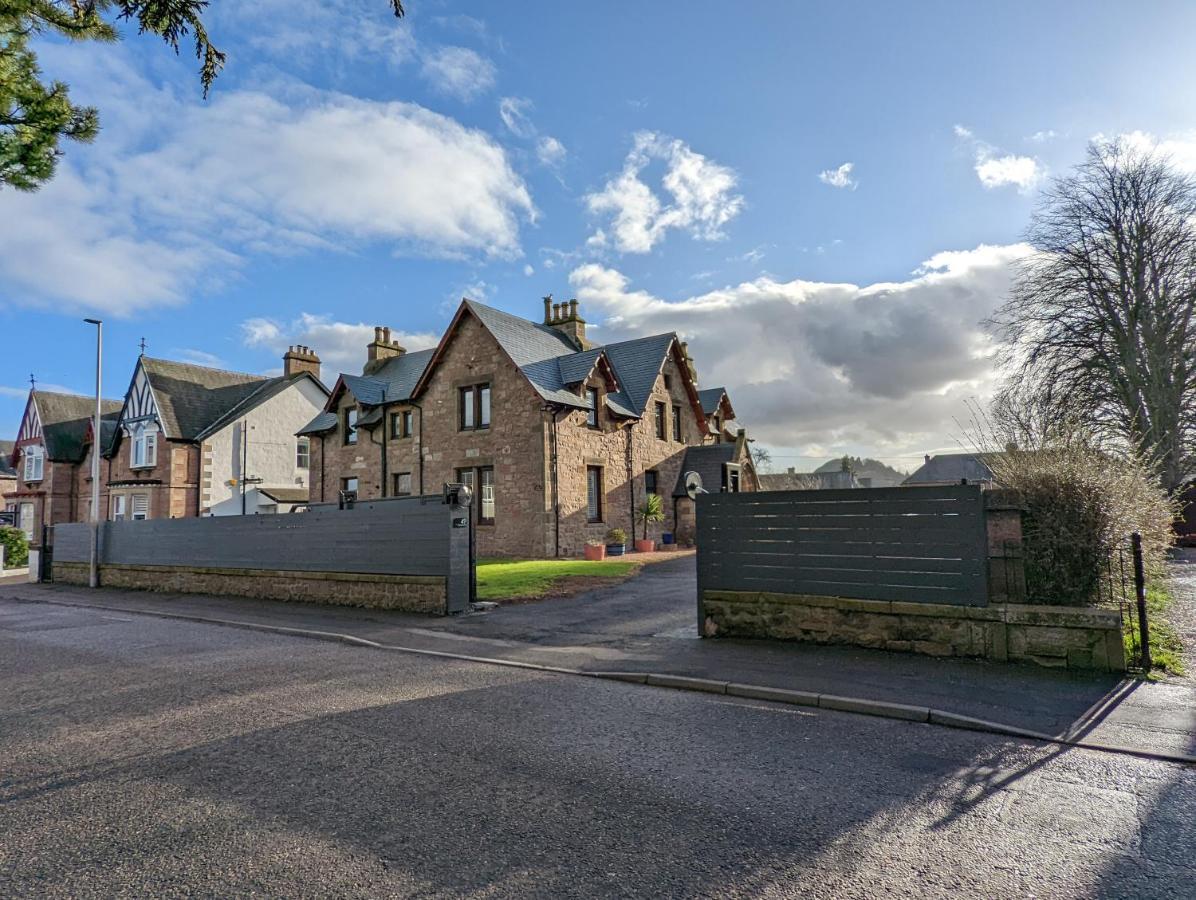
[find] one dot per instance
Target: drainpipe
(556, 485)
(321, 468)
(385, 431)
(420, 444)
(631, 487)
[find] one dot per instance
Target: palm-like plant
(651, 510)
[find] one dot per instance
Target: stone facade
(171, 485)
(536, 452)
(1056, 636)
(407, 593)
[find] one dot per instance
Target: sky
(826, 200)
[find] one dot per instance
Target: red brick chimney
(300, 359)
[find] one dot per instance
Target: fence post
(1140, 591)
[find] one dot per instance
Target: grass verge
(521, 579)
(1166, 647)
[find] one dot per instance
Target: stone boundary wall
(1055, 636)
(407, 593)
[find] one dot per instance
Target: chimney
(927, 457)
(791, 471)
(566, 320)
(300, 359)
(548, 310)
(380, 350)
(689, 362)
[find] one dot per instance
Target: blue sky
(824, 199)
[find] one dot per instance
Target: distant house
(792, 480)
(8, 475)
(197, 441)
(52, 458)
(952, 468)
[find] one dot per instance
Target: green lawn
(509, 579)
(1166, 648)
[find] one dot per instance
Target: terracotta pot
(644, 546)
(595, 553)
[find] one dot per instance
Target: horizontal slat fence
(413, 536)
(910, 544)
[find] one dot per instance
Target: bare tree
(1099, 322)
(761, 457)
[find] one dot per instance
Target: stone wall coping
(268, 573)
(1010, 613)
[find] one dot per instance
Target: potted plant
(648, 513)
(595, 550)
(616, 542)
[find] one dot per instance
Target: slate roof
(711, 398)
(636, 364)
(392, 383)
(196, 401)
(807, 481)
(325, 421)
(65, 418)
(951, 468)
(707, 461)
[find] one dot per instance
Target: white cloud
(151, 212)
(200, 357)
(514, 113)
(1179, 148)
(702, 193)
(529, 270)
(996, 169)
(340, 345)
(1042, 137)
(550, 151)
(458, 72)
(840, 177)
(883, 367)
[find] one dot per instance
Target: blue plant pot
(616, 549)
(666, 538)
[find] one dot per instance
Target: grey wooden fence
(409, 536)
(910, 544)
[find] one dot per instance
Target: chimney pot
(377, 334)
(548, 310)
(386, 334)
(556, 313)
(572, 309)
(927, 457)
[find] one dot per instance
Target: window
(677, 436)
(731, 478)
(402, 484)
(593, 493)
(481, 482)
(35, 463)
(140, 507)
(668, 383)
(27, 519)
(592, 407)
(350, 425)
(474, 407)
(660, 423)
(401, 424)
(349, 488)
(303, 453)
(650, 482)
(118, 507)
(143, 451)
(718, 428)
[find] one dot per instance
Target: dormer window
(35, 463)
(592, 407)
(350, 425)
(143, 451)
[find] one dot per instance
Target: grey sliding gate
(911, 544)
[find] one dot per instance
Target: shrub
(1081, 504)
(16, 546)
(616, 536)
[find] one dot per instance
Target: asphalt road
(140, 756)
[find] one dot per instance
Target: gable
(31, 423)
(140, 405)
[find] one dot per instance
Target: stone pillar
(1006, 563)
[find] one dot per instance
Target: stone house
(196, 441)
(952, 468)
(8, 475)
(560, 439)
(52, 458)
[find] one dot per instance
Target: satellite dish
(693, 485)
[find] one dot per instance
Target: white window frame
(143, 449)
(136, 500)
(35, 463)
(303, 453)
(119, 508)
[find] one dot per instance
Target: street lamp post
(93, 578)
